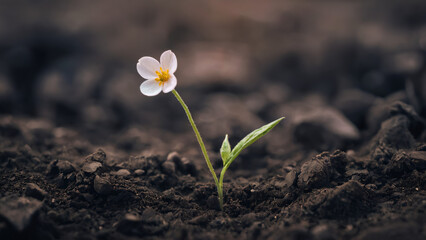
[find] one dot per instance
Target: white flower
(159, 75)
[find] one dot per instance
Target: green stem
(220, 186)
(199, 139)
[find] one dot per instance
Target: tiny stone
(362, 173)
(55, 167)
(139, 172)
(173, 156)
(98, 156)
(132, 217)
(102, 186)
(91, 167)
(65, 166)
(122, 172)
(33, 190)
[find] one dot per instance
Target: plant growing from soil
(160, 77)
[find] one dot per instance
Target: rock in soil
(122, 173)
(102, 186)
(91, 167)
(98, 156)
(61, 166)
(139, 172)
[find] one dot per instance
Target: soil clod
(19, 211)
(33, 190)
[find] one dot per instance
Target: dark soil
(83, 155)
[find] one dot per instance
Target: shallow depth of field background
(73, 63)
(84, 155)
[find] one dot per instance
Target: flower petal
(168, 61)
(150, 88)
(147, 66)
(170, 84)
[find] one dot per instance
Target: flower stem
(203, 148)
(220, 186)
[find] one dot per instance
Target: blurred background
(240, 64)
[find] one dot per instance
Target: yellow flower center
(163, 76)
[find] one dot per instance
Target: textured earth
(83, 155)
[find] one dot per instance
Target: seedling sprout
(160, 77)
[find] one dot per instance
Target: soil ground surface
(84, 155)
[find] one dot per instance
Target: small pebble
(173, 156)
(65, 166)
(102, 186)
(122, 172)
(91, 167)
(98, 156)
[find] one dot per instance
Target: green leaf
(225, 150)
(251, 138)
